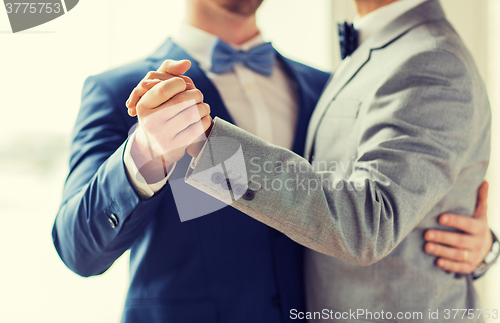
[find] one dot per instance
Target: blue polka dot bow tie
(259, 59)
(348, 37)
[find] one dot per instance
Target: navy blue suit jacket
(223, 267)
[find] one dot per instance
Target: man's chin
(243, 8)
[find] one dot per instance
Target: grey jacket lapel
(424, 13)
(357, 60)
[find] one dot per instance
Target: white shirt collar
(376, 20)
(199, 43)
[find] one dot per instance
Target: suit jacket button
(239, 189)
(249, 195)
(226, 184)
(218, 178)
(113, 220)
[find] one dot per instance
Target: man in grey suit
(400, 135)
(407, 123)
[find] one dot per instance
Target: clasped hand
(173, 119)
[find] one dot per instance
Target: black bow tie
(348, 37)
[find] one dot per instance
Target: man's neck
(229, 27)
(364, 7)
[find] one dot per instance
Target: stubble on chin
(242, 7)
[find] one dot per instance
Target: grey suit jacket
(399, 137)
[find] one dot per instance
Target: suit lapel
(357, 60)
(170, 50)
(305, 106)
(424, 13)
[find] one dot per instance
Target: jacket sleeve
(101, 215)
(418, 132)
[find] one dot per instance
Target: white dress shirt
(263, 105)
(377, 20)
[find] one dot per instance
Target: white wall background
(41, 74)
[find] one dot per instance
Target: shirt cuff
(194, 161)
(145, 190)
(489, 261)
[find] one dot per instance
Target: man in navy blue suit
(224, 267)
